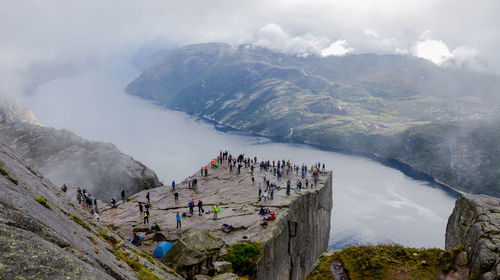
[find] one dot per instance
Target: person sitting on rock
(262, 211)
(156, 227)
(64, 188)
(113, 202)
(136, 239)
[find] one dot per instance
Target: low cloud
(438, 52)
(337, 48)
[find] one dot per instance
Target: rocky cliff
(296, 241)
(45, 235)
(290, 244)
(64, 157)
(475, 225)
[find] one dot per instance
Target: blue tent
(162, 249)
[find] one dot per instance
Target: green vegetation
(388, 262)
(244, 256)
(151, 260)
(7, 176)
(79, 221)
(92, 240)
(115, 243)
(142, 272)
(42, 200)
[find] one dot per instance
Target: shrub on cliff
(387, 262)
(244, 256)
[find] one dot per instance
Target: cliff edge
(290, 244)
(475, 225)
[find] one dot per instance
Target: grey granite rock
(475, 224)
(44, 235)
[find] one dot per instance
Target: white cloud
(438, 52)
(371, 33)
(337, 48)
(272, 36)
(433, 50)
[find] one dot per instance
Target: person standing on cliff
(140, 207)
(288, 183)
(123, 195)
(176, 197)
(200, 207)
(146, 216)
(147, 197)
(173, 186)
(178, 218)
(260, 189)
(215, 208)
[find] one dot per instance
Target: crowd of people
(275, 173)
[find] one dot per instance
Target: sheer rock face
(63, 242)
(475, 224)
(291, 243)
(64, 157)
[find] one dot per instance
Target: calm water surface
(372, 203)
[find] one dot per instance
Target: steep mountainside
(393, 106)
(64, 157)
(44, 235)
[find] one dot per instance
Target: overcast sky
(50, 34)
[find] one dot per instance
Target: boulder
(194, 254)
(474, 224)
(223, 266)
(226, 276)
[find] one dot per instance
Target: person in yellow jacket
(215, 208)
(146, 216)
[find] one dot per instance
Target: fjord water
(372, 203)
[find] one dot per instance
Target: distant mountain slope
(63, 157)
(45, 235)
(370, 103)
(11, 109)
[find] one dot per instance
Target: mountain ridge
(389, 105)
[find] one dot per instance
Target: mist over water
(372, 203)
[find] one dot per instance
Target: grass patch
(42, 200)
(142, 272)
(15, 181)
(79, 221)
(4, 172)
(6, 175)
(92, 240)
(244, 256)
(388, 262)
(115, 243)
